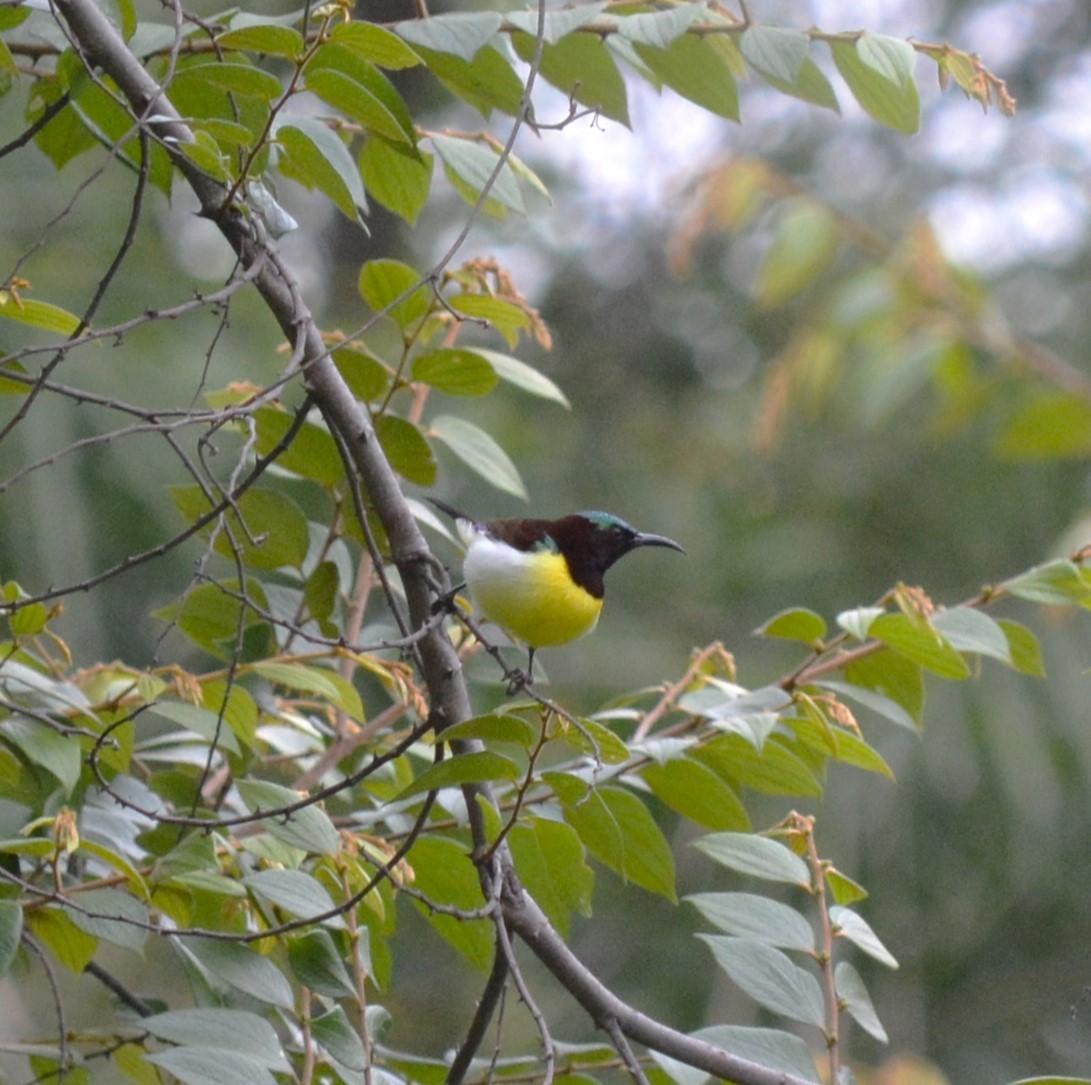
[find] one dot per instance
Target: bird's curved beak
(642, 539)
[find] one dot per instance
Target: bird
(541, 581)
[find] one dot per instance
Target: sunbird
(541, 581)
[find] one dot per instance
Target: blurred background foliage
(769, 359)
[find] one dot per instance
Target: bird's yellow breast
(530, 595)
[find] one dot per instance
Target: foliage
(264, 807)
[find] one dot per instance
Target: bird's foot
(519, 681)
(445, 601)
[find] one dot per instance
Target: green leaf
(456, 372)
(210, 616)
(312, 454)
(375, 43)
(308, 828)
(367, 377)
(11, 930)
(383, 282)
(462, 34)
(317, 964)
(397, 176)
(696, 792)
(617, 829)
(769, 977)
(406, 449)
(486, 83)
(920, 642)
(318, 158)
(38, 314)
(1026, 653)
(515, 372)
(445, 874)
(879, 74)
(475, 448)
(220, 1029)
(270, 38)
(855, 928)
(596, 740)
(494, 727)
(806, 241)
(201, 721)
(264, 528)
(242, 968)
(796, 624)
(72, 946)
(1056, 582)
(696, 69)
(204, 1066)
(551, 864)
(468, 768)
(843, 888)
(506, 318)
(236, 78)
(474, 162)
(774, 769)
(59, 754)
(893, 677)
(757, 918)
(324, 683)
(757, 856)
(853, 995)
(582, 67)
(358, 103)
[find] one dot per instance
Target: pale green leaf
(340, 1040)
(660, 28)
(488, 82)
(775, 51)
(552, 865)
(853, 995)
(696, 69)
(475, 448)
(320, 681)
(921, 643)
(558, 22)
(521, 375)
(757, 856)
(1056, 582)
(59, 754)
(113, 916)
(769, 977)
(696, 792)
(1026, 652)
(769, 1047)
(317, 964)
(375, 43)
(969, 630)
(858, 621)
(748, 915)
(220, 1029)
(295, 891)
(11, 930)
(242, 968)
(461, 34)
(474, 163)
(806, 240)
(205, 1066)
(856, 929)
(308, 828)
